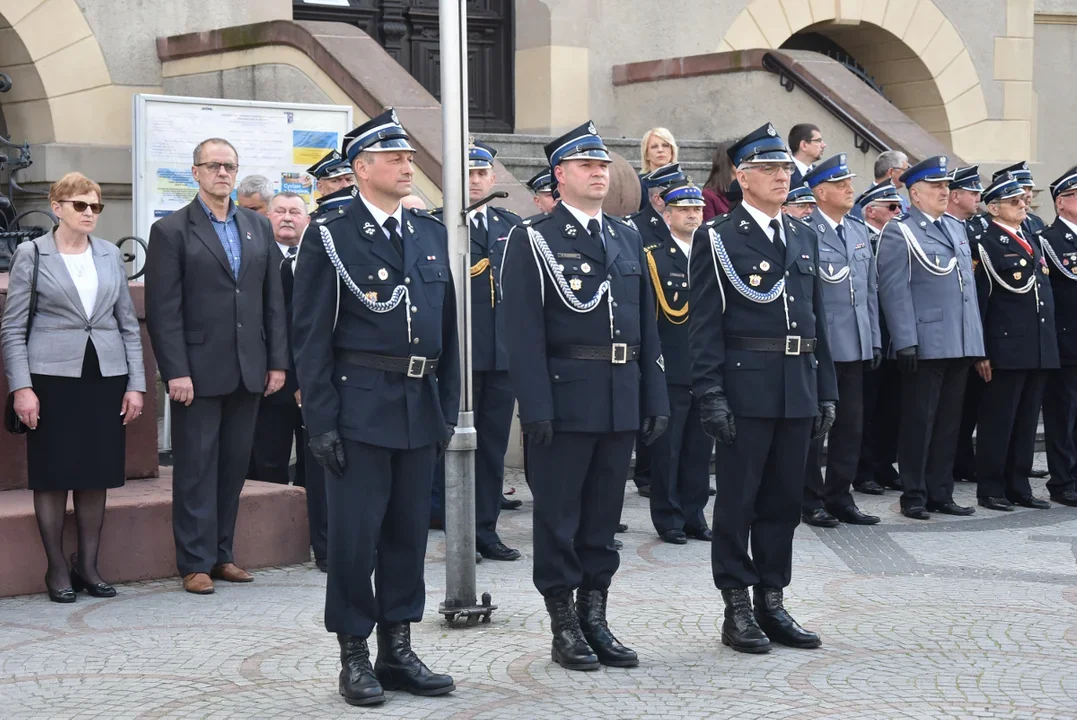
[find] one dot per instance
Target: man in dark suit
(807, 145)
(215, 313)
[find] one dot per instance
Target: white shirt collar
(833, 225)
(762, 219)
(583, 218)
(1070, 225)
(481, 210)
(801, 166)
(380, 216)
(284, 248)
(686, 248)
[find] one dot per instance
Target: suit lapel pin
(805, 257)
(1003, 240)
(673, 251)
(661, 362)
(248, 234)
(610, 228)
(431, 257)
(793, 227)
(570, 230)
(368, 229)
(495, 217)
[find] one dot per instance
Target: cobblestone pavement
(965, 617)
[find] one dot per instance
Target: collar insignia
(570, 230)
(822, 228)
(654, 221)
(923, 224)
(744, 225)
(368, 228)
(411, 229)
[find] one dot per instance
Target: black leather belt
(790, 344)
(617, 353)
(414, 366)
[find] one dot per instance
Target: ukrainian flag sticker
(310, 146)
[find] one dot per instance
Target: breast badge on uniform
(576, 284)
(369, 228)
(661, 362)
(764, 266)
(383, 274)
(371, 295)
(585, 267)
(754, 280)
(1017, 275)
(570, 230)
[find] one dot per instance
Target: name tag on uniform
(676, 275)
(860, 246)
(1010, 255)
(569, 256)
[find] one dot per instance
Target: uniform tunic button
(237, 291)
(738, 364)
(793, 325)
(791, 298)
(609, 277)
(787, 273)
(414, 309)
(556, 377)
(407, 281)
(371, 277)
(415, 341)
(239, 325)
(616, 332)
(344, 378)
(615, 304)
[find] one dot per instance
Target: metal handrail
(863, 138)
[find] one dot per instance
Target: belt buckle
(620, 353)
(415, 361)
(792, 344)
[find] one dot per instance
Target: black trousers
(378, 521)
(317, 504)
(1006, 440)
(843, 448)
(965, 459)
(760, 479)
(277, 425)
(930, 418)
(578, 483)
(211, 448)
(882, 423)
(1060, 428)
(680, 466)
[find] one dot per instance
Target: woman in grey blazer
(78, 379)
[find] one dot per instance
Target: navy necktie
(776, 227)
(394, 234)
(595, 229)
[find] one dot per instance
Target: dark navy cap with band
(542, 182)
(480, 155)
(1020, 173)
(800, 195)
(1004, 187)
(683, 194)
(331, 166)
(665, 176)
(879, 192)
(582, 143)
(1067, 183)
(383, 133)
(761, 146)
(966, 178)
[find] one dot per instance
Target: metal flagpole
(460, 594)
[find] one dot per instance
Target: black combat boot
(740, 630)
(357, 682)
(570, 649)
(591, 611)
(779, 624)
(398, 668)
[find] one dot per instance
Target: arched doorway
(25, 114)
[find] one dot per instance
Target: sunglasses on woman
(80, 206)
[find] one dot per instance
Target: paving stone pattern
(951, 618)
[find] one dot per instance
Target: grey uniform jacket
(57, 343)
(937, 313)
(852, 302)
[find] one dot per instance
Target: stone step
(137, 543)
(523, 155)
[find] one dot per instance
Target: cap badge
(393, 117)
(842, 161)
(368, 229)
(591, 128)
(570, 230)
(764, 266)
(771, 131)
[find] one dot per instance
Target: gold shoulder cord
(478, 269)
(675, 317)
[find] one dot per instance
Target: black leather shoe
(1066, 497)
(100, 590)
(853, 515)
(741, 630)
(995, 503)
(644, 491)
(569, 649)
(322, 564)
(621, 527)
(892, 483)
(591, 612)
(674, 537)
(499, 551)
(778, 624)
(357, 683)
(618, 545)
(478, 557)
(63, 595)
(1030, 501)
(511, 503)
(1038, 473)
(870, 487)
(965, 476)
(701, 533)
(399, 668)
(950, 508)
(712, 492)
(916, 512)
(819, 518)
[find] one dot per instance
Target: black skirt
(80, 441)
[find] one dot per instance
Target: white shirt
(583, 218)
(476, 212)
(84, 275)
(801, 166)
(285, 248)
(764, 220)
(686, 248)
(380, 216)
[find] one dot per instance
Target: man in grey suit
(215, 313)
(847, 268)
(928, 296)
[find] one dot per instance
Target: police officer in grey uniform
(586, 366)
(928, 295)
(378, 363)
(765, 380)
(851, 302)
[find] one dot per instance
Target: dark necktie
(286, 277)
(776, 227)
(596, 234)
(840, 230)
(478, 231)
(938, 224)
(393, 227)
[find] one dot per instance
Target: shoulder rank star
(754, 280)
(576, 284)
(764, 266)
(570, 230)
(368, 228)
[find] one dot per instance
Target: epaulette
(438, 212)
(420, 212)
(328, 217)
(855, 218)
(510, 213)
(623, 221)
(655, 246)
(903, 216)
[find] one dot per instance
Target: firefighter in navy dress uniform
(585, 363)
(928, 296)
(1058, 242)
(378, 362)
(799, 203)
(1018, 312)
(851, 303)
(1032, 223)
(488, 227)
(765, 381)
(680, 459)
(543, 190)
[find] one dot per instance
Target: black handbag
(12, 423)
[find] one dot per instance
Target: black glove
(653, 427)
(540, 433)
(828, 410)
(328, 450)
(717, 417)
(876, 359)
(906, 359)
(444, 444)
